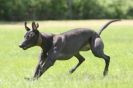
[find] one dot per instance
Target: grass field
(15, 64)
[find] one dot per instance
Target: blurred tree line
(17, 10)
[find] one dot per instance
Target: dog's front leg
(49, 62)
(41, 62)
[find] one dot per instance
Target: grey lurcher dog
(64, 46)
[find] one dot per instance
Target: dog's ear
(26, 27)
(34, 25)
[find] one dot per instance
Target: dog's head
(32, 36)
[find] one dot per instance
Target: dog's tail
(101, 29)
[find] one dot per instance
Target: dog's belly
(62, 56)
(85, 48)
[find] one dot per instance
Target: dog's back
(74, 40)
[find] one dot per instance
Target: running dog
(64, 46)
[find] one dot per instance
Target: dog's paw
(71, 71)
(30, 79)
(105, 73)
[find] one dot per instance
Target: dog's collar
(39, 41)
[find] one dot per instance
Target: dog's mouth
(24, 47)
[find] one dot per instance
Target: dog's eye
(31, 35)
(27, 37)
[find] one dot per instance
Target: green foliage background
(17, 10)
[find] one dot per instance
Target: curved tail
(101, 29)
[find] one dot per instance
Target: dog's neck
(39, 41)
(45, 41)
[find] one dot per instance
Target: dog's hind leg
(80, 59)
(97, 49)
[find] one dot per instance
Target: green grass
(15, 64)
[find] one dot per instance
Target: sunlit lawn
(15, 64)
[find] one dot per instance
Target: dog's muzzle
(23, 47)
